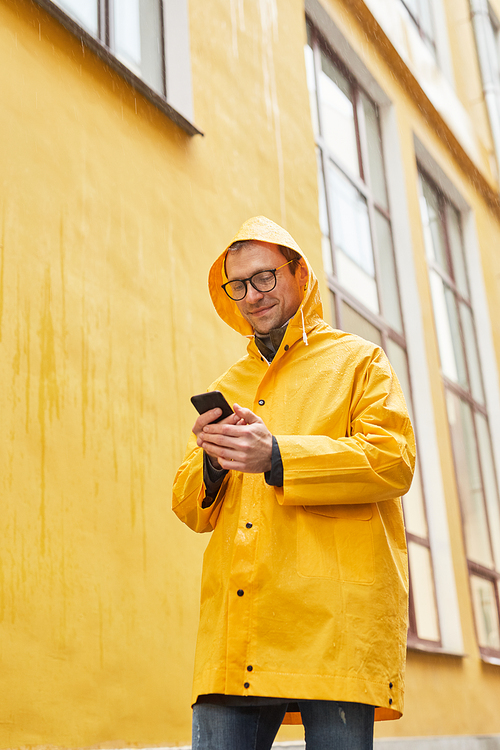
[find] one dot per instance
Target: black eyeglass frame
(245, 281)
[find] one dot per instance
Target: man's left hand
(246, 446)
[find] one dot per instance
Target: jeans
(328, 725)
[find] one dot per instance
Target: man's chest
(312, 395)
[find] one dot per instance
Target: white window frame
(176, 100)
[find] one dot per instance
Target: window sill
(490, 656)
(431, 648)
(491, 660)
(107, 57)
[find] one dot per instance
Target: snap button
(261, 402)
(249, 668)
(286, 347)
(391, 685)
(240, 592)
(246, 685)
(249, 525)
(390, 701)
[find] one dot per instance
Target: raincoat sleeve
(374, 462)
(189, 492)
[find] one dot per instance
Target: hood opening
(262, 229)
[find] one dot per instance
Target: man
(304, 590)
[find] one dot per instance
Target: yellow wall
(109, 219)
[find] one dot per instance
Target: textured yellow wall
(109, 219)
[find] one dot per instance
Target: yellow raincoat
(304, 589)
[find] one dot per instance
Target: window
(487, 32)
(133, 36)
(420, 12)
(494, 43)
(359, 261)
(465, 401)
(486, 16)
(130, 29)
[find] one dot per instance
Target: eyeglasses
(263, 281)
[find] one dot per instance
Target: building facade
(136, 137)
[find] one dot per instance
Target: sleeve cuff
(274, 477)
(212, 479)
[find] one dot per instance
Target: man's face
(266, 310)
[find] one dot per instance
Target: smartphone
(212, 400)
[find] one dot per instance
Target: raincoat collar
(269, 345)
(310, 310)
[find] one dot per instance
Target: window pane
(492, 43)
(326, 252)
(456, 249)
(425, 18)
(490, 484)
(128, 33)
(422, 586)
(471, 350)
(469, 480)
(412, 6)
(388, 286)
(323, 219)
(413, 501)
(413, 505)
(377, 175)
(352, 239)
(337, 115)
(355, 280)
(311, 85)
(83, 11)
(422, 18)
(333, 311)
(486, 612)
(435, 244)
(451, 306)
(448, 331)
(137, 38)
(353, 322)
(399, 362)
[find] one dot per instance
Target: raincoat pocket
(336, 541)
(356, 511)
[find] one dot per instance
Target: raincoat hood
(262, 229)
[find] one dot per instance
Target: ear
(303, 273)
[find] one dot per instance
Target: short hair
(288, 253)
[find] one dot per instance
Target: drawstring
(304, 334)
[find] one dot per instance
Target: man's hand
(241, 444)
(205, 419)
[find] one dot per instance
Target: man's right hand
(210, 416)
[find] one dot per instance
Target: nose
(253, 295)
